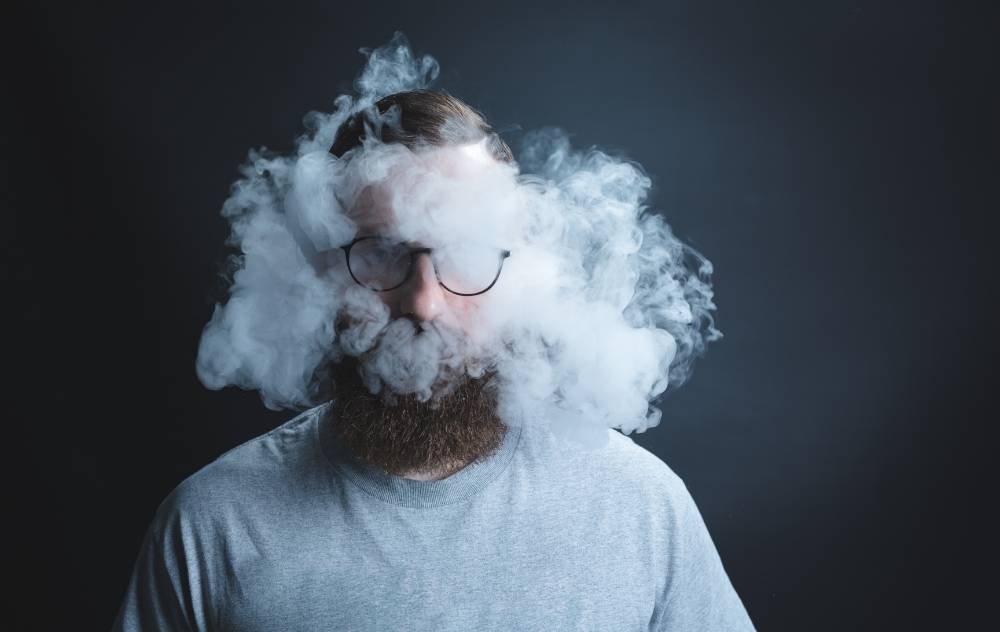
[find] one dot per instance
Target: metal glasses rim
(504, 253)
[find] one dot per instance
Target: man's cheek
(472, 316)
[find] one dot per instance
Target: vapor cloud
(599, 309)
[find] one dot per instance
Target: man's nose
(422, 296)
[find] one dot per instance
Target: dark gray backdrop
(831, 159)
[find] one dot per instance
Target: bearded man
(413, 499)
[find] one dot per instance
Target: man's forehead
(463, 160)
(374, 212)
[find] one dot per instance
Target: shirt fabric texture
(289, 531)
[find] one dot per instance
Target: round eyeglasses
(381, 265)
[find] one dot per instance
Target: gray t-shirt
(289, 531)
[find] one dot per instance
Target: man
(413, 504)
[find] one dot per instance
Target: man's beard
(401, 434)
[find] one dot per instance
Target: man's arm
(698, 594)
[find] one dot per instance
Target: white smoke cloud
(597, 311)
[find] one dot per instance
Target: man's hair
(426, 117)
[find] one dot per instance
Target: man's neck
(434, 474)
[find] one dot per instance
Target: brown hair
(426, 117)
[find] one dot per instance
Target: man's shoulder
(642, 465)
(623, 468)
(259, 470)
(623, 447)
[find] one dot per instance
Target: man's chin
(402, 432)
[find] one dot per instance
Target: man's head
(422, 118)
(598, 308)
(434, 293)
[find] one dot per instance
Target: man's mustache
(345, 322)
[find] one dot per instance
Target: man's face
(398, 431)
(422, 297)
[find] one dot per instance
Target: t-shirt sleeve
(172, 587)
(156, 595)
(698, 594)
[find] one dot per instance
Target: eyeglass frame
(409, 269)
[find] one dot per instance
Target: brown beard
(401, 434)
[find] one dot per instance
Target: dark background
(836, 161)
